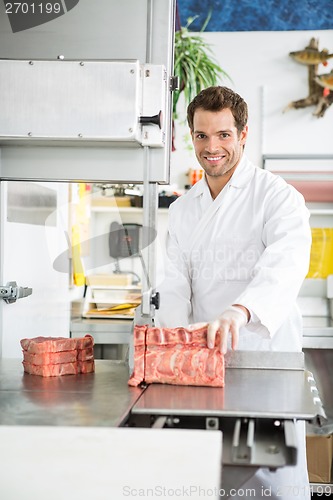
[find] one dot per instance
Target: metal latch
(149, 300)
(11, 292)
(174, 83)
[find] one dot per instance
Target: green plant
(194, 64)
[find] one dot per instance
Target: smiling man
(238, 251)
(218, 144)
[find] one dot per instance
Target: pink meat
(86, 366)
(86, 342)
(176, 356)
(50, 358)
(56, 344)
(85, 354)
(54, 356)
(51, 370)
(139, 340)
(39, 345)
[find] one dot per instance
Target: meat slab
(59, 369)
(55, 356)
(50, 358)
(39, 345)
(176, 356)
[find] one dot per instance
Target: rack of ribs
(176, 356)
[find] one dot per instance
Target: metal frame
(146, 165)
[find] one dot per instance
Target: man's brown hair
(216, 99)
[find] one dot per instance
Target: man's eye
(201, 136)
(225, 135)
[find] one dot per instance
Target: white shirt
(250, 246)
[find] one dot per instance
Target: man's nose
(213, 145)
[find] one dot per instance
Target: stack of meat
(54, 356)
(176, 356)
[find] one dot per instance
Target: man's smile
(213, 158)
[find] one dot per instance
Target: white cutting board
(90, 463)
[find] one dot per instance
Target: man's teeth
(214, 158)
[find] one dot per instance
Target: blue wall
(258, 15)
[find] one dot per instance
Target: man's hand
(231, 320)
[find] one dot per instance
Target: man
(238, 251)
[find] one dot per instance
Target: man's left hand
(231, 320)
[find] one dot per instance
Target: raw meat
(138, 374)
(59, 369)
(48, 344)
(84, 342)
(54, 356)
(56, 344)
(176, 356)
(50, 358)
(86, 366)
(51, 370)
(85, 354)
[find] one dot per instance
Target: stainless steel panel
(107, 29)
(262, 393)
(320, 363)
(95, 164)
(102, 398)
(317, 332)
(270, 445)
(104, 331)
(318, 342)
(134, 30)
(81, 100)
(318, 326)
(268, 359)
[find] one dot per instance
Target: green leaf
(194, 64)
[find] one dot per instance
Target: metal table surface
(264, 394)
(96, 399)
(247, 393)
(281, 389)
(103, 398)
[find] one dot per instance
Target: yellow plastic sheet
(321, 261)
(78, 271)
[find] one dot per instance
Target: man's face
(218, 145)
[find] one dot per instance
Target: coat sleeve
(175, 287)
(280, 270)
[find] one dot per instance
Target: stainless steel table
(264, 394)
(102, 398)
(248, 393)
(255, 411)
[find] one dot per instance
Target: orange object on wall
(195, 175)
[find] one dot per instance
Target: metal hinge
(174, 83)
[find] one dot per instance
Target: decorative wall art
(256, 15)
(320, 85)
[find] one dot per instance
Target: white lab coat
(250, 246)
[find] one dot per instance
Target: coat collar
(240, 179)
(243, 173)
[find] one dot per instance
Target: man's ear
(243, 135)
